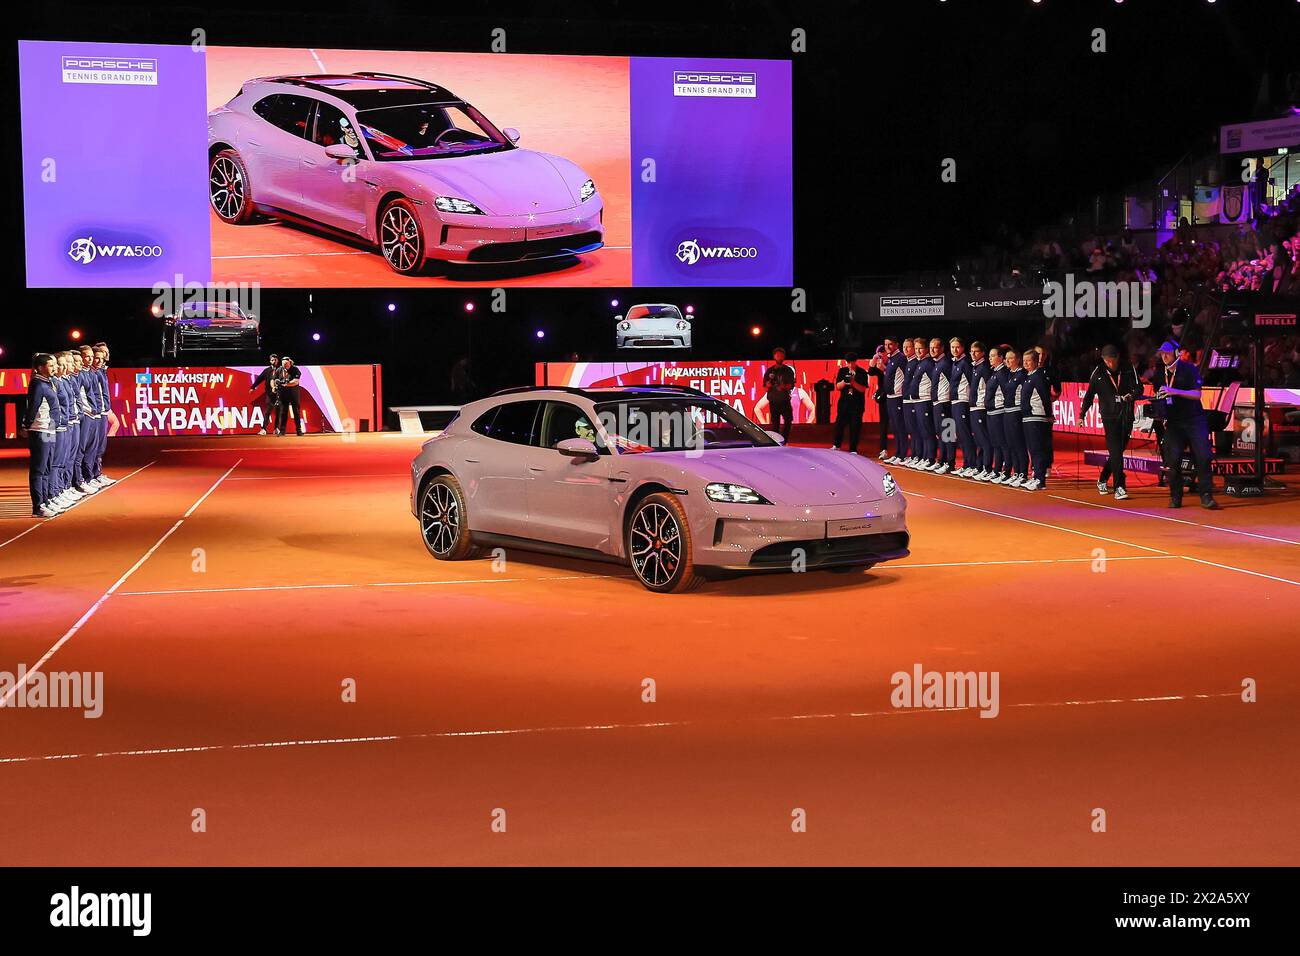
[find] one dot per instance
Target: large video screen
(147, 163)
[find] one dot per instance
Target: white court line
(97, 494)
(305, 477)
(319, 64)
(1194, 524)
(68, 635)
(1041, 524)
(1228, 567)
(517, 731)
(593, 577)
(371, 584)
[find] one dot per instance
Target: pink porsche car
(400, 163)
(664, 479)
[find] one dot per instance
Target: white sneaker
(48, 511)
(833, 447)
(262, 431)
(998, 479)
(1016, 481)
(884, 455)
(942, 469)
(106, 481)
(1033, 484)
(86, 488)
(907, 462)
(893, 460)
(1102, 489)
(1120, 494)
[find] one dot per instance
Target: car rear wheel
(659, 545)
(228, 188)
(443, 523)
(401, 237)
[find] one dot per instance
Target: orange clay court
(227, 588)
(571, 106)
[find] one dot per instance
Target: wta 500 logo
(692, 251)
(85, 251)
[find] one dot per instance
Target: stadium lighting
(315, 336)
(541, 334)
(392, 307)
(76, 335)
(756, 331)
(690, 310)
(469, 306)
(156, 309)
(613, 303)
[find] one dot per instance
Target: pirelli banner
(222, 400)
(899, 308)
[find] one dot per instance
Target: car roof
(605, 394)
(364, 91)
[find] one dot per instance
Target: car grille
(533, 249)
(823, 552)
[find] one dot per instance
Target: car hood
(655, 324)
(805, 477)
(509, 183)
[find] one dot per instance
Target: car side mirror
(776, 436)
(578, 448)
(341, 151)
(512, 134)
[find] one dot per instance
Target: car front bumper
(773, 537)
(486, 240)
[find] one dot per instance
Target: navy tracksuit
(894, 384)
(41, 421)
(915, 445)
(941, 410)
(1036, 416)
(979, 416)
(922, 402)
(1001, 461)
(1012, 427)
(959, 380)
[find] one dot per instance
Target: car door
(495, 468)
(273, 150)
(332, 190)
(570, 500)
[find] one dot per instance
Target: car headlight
(452, 204)
(733, 494)
(587, 191)
(683, 325)
(624, 326)
(889, 484)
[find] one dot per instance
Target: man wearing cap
(1115, 390)
(1185, 426)
(266, 378)
(779, 383)
(287, 376)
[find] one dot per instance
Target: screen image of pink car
(401, 164)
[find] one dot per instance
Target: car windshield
(638, 426)
(653, 312)
(429, 131)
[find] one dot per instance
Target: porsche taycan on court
(665, 479)
(210, 326)
(400, 163)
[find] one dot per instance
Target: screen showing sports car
(325, 168)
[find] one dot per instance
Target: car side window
(333, 127)
(562, 420)
(286, 112)
(513, 422)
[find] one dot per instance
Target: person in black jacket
(852, 383)
(266, 378)
(1115, 389)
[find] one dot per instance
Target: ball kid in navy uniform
(922, 407)
(106, 405)
(979, 420)
(92, 411)
(1012, 428)
(1036, 418)
(62, 438)
(1186, 426)
(39, 425)
(890, 387)
(1115, 388)
(945, 438)
(960, 384)
(852, 383)
(906, 438)
(998, 372)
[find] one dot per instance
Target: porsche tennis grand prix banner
(218, 400)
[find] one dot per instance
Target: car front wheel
(659, 545)
(401, 237)
(443, 522)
